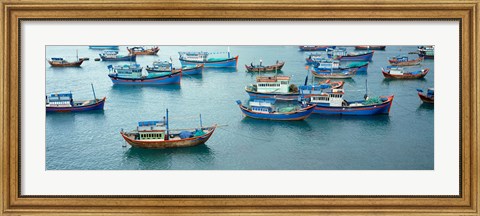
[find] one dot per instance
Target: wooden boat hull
(361, 57)
(124, 58)
(187, 142)
(374, 109)
(315, 48)
(370, 47)
(405, 76)
(198, 69)
(407, 63)
(152, 51)
(69, 64)
(96, 106)
(269, 68)
(334, 75)
(289, 116)
(174, 78)
(230, 62)
(425, 99)
(277, 96)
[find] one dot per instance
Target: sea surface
(402, 140)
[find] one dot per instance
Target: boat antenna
(306, 78)
(228, 50)
(366, 90)
(93, 90)
(77, 54)
(201, 126)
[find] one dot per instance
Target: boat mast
(228, 50)
(201, 126)
(306, 78)
(77, 54)
(366, 90)
(166, 122)
(93, 90)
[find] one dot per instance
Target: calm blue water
(91, 141)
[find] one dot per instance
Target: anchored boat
(343, 55)
(60, 62)
(370, 47)
(107, 47)
(401, 73)
(134, 75)
(112, 55)
(404, 61)
(330, 65)
(63, 102)
(265, 109)
(268, 68)
(315, 48)
(427, 52)
(343, 74)
(194, 58)
(276, 87)
(426, 98)
(161, 68)
(142, 51)
(157, 134)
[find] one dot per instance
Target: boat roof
(271, 78)
(61, 95)
(110, 52)
(57, 59)
(150, 123)
(315, 87)
(193, 53)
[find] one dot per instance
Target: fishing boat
(315, 48)
(343, 74)
(158, 135)
(427, 52)
(316, 57)
(142, 51)
(265, 109)
(342, 55)
(404, 61)
(335, 85)
(426, 98)
(330, 65)
(194, 58)
(112, 55)
(161, 68)
(393, 72)
(262, 68)
(193, 69)
(63, 102)
(274, 87)
(107, 47)
(306, 91)
(60, 62)
(134, 75)
(331, 102)
(370, 47)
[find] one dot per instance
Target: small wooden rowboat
(143, 51)
(426, 98)
(333, 85)
(157, 135)
(345, 74)
(60, 62)
(264, 109)
(404, 61)
(260, 68)
(370, 47)
(400, 73)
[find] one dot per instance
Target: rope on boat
(246, 136)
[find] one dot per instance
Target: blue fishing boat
(330, 65)
(157, 135)
(194, 58)
(315, 48)
(103, 47)
(316, 57)
(265, 109)
(112, 55)
(342, 55)
(274, 87)
(63, 102)
(331, 102)
(161, 68)
(134, 75)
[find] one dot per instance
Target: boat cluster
(270, 97)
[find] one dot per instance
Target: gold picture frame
(13, 11)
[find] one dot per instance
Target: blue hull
(103, 47)
(363, 57)
(97, 106)
(231, 62)
(288, 97)
(125, 58)
(192, 71)
(342, 69)
(293, 116)
(164, 80)
(376, 109)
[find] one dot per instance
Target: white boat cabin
(333, 97)
(396, 70)
(193, 56)
(151, 130)
(60, 100)
(262, 106)
(270, 84)
(110, 53)
(162, 66)
(328, 64)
